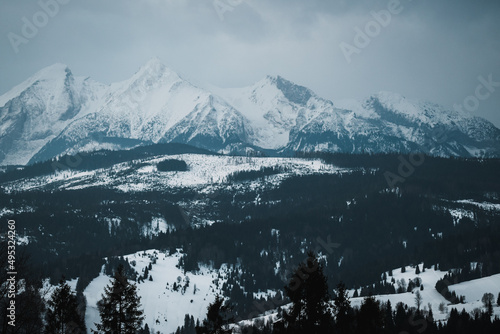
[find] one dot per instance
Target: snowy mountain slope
(388, 122)
(53, 113)
(273, 106)
(36, 111)
(154, 105)
(212, 125)
(290, 117)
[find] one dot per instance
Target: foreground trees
(342, 310)
(119, 307)
(308, 292)
(218, 318)
(62, 315)
(28, 298)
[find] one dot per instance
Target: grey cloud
(433, 50)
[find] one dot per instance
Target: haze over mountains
(54, 112)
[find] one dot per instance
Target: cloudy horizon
(446, 52)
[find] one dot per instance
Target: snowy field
(203, 170)
(472, 290)
(165, 308)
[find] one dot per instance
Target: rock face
(53, 113)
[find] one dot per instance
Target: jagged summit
(293, 92)
(53, 113)
(49, 74)
(155, 68)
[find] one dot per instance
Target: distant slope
(98, 159)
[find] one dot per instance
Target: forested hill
(262, 215)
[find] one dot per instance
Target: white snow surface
(482, 205)
(156, 104)
(163, 307)
(204, 171)
(472, 290)
(41, 107)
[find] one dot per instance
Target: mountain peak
(157, 104)
(293, 92)
(54, 71)
(386, 95)
(153, 63)
(154, 68)
(51, 73)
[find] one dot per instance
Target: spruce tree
(389, 317)
(119, 307)
(489, 308)
(308, 292)
(188, 327)
(342, 309)
(145, 330)
(62, 315)
(218, 318)
(370, 316)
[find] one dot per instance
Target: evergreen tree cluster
(64, 315)
(315, 314)
(172, 165)
(114, 262)
(119, 307)
(442, 286)
(219, 316)
(189, 326)
(368, 231)
(248, 175)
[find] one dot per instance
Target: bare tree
(418, 299)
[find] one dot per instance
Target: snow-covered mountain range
(53, 113)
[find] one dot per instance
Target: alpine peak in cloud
(53, 113)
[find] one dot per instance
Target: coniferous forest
(368, 217)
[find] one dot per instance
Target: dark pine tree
(119, 307)
(308, 292)
(62, 315)
(389, 317)
(342, 310)
(145, 330)
(370, 317)
(218, 318)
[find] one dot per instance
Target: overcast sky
(427, 49)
